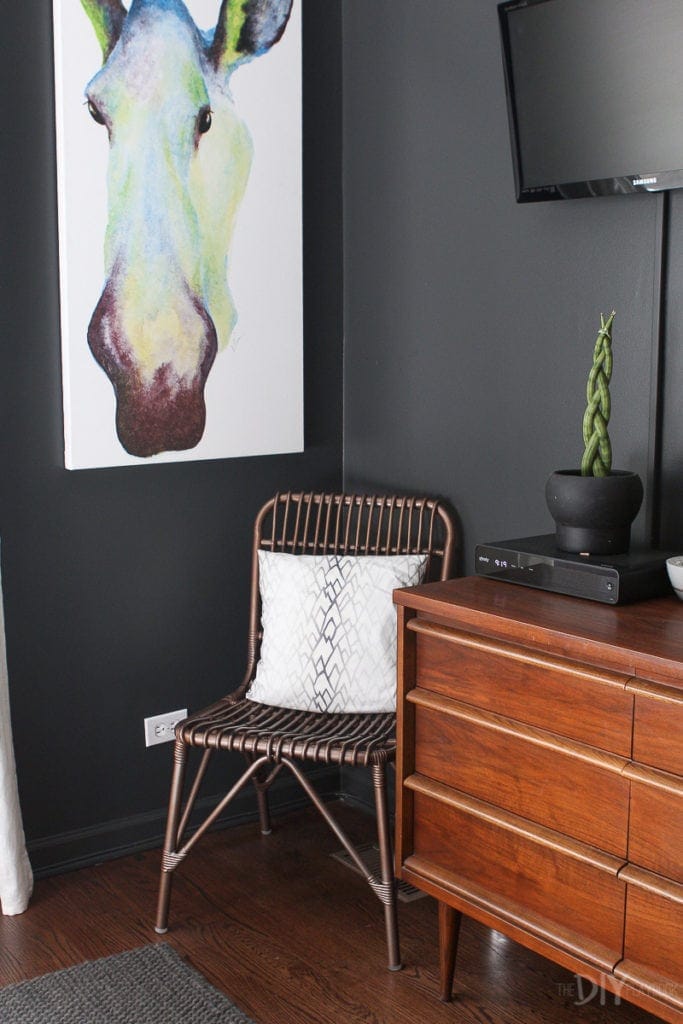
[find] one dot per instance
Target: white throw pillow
(329, 630)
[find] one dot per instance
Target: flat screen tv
(595, 96)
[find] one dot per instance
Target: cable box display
(613, 579)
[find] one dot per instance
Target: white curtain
(16, 877)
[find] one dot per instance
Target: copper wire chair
(271, 738)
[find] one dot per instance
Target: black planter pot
(593, 514)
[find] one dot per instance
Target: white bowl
(674, 567)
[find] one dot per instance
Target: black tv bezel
(644, 181)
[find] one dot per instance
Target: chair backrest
(350, 524)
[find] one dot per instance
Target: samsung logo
(644, 181)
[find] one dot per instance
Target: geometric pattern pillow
(329, 630)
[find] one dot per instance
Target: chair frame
(273, 738)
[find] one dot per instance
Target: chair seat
(261, 730)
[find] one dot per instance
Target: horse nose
(158, 363)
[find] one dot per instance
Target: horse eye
(204, 120)
(95, 113)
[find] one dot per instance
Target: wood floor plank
(294, 937)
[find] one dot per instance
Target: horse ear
(246, 29)
(107, 17)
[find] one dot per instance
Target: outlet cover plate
(161, 728)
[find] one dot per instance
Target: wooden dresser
(540, 777)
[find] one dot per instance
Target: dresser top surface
(644, 639)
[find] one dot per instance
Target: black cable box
(613, 579)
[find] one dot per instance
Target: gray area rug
(150, 985)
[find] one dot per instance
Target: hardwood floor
(294, 937)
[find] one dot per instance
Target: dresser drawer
(658, 726)
(562, 696)
(653, 945)
(552, 781)
(532, 877)
(656, 826)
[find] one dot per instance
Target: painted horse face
(178, 166)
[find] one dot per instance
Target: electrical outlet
(161, 728)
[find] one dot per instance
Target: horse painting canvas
(179, 182)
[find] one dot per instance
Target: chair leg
(384, 889)
(262, 781)
(168, 863)
(388, 896)
(263, 811)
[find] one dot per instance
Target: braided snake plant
(597, 456)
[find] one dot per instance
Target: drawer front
(658, 729)
(555, 783)
(656, 827)
(653, 945)
(530, 883)
(589, 705)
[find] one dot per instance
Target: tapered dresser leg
(449, 931)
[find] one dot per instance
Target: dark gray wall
(672, 375)
(469, 326)
(125, 590)
(470, 320)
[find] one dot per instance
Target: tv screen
(595, 95)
